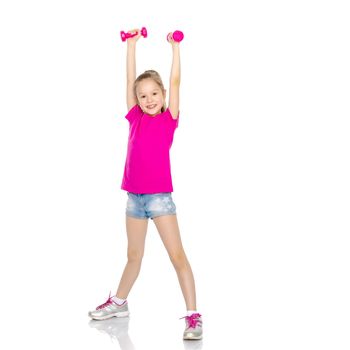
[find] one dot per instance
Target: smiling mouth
(151, 106)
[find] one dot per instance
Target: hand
(171, 40)
(136, 37)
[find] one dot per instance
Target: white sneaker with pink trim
(193, 330)
(110, 309)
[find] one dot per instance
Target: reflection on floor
(117, 330)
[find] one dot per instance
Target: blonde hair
(151, 74)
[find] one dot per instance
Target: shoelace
(192, 320)
(108, 302)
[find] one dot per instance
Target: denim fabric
(150, 205)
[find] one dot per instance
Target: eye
(154, 93)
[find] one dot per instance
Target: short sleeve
(174, 122)
(133, 113)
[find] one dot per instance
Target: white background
(260, 166)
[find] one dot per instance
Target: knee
(135, 256)
(179, 260)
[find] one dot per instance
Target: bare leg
(136, 230)
(169, 232)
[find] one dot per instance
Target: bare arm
(175, 77)
(131, 69)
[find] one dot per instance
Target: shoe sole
(119, 314)
(193, 338)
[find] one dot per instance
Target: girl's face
(150, 96)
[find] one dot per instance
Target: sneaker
(110, 309)
(193, 330)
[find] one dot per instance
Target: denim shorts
(146, 205)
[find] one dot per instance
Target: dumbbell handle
(125, 36)
(177, 36)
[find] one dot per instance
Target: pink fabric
(108, 302)
(147, 166)
(192, 320)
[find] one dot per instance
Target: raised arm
(131, 68)
(175, 77)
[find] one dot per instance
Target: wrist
(131, 44)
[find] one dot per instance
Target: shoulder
(133, 113)
(173, 121)
(135, 108)
(171, 114)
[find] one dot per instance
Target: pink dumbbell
(177, 36)
(125, 36)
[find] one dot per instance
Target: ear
(164, 93)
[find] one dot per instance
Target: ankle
(117, 300)
(191, 312)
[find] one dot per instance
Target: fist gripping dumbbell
(176, 36)
(125, 36)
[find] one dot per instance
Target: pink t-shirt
(147, 166)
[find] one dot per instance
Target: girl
(147, 180)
